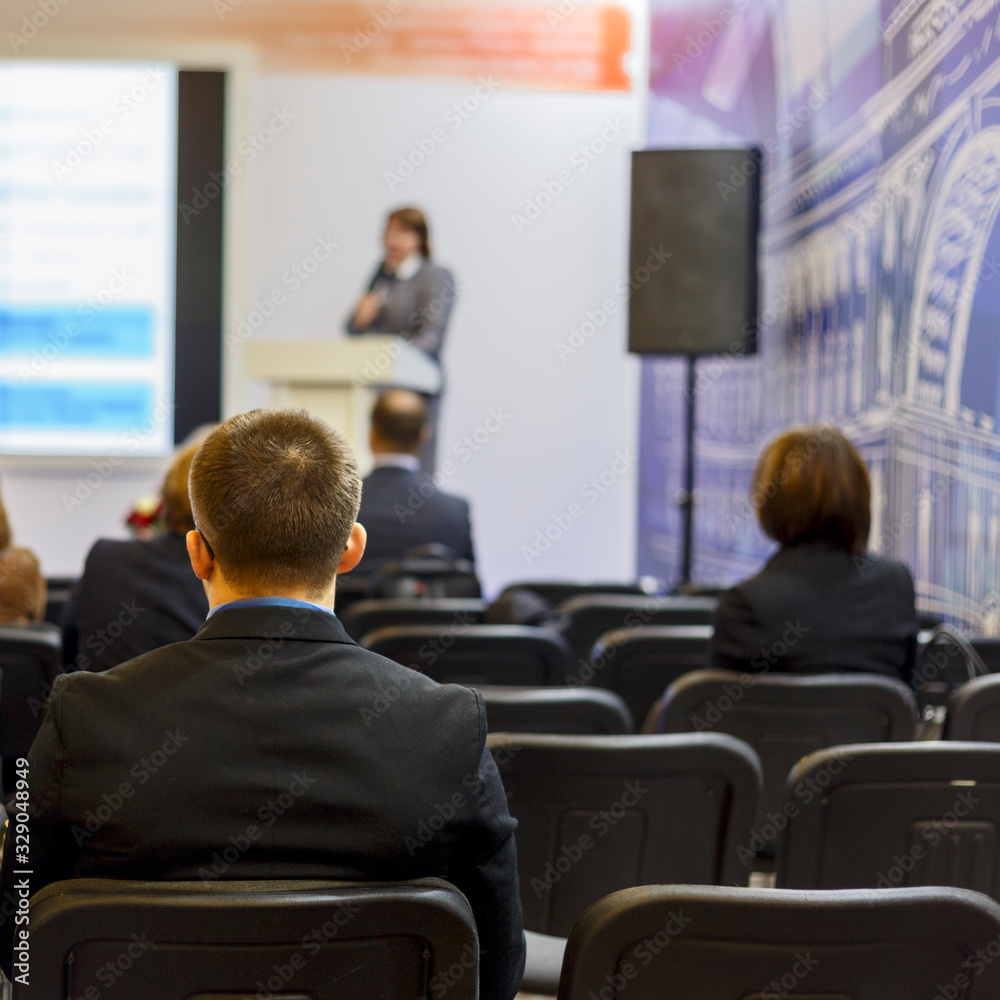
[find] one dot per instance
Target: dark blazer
(134, 596)
(816, 609)
(402, 509)
(271, 746)
(416, 308)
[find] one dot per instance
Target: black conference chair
(428, 572)
(785, 717)
(234, 940)
(30, 657)
(601, 813)
(715, 943)
(975, 712)
(477, 654)
(588, 618)
(557, 710)
(909, 814)
(57, 591)
(639, 663)
(557, 592)
(949, 659)
(363, 617)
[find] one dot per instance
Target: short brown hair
(176, 498)
(276, 493)
(398, 417)
(811, 484)
(414, 220)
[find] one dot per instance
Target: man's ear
(425, 434)
(355, 549)
(201, 562)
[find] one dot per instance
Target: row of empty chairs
(418, 939)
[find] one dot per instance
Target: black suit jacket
(272, 746)
(133, 596)
(816, 609)
(402, 509)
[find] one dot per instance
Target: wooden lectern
(338, 380)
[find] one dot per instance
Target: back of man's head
(276, 494)
(398, 420)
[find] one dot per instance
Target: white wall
(522, 293)
(565, 419)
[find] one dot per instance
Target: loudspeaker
(693, 251)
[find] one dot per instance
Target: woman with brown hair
(139, 594)
(821, 603)
(22, 586)
(411, 296)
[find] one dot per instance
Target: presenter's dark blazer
(134, 596)
(401, 510)
(273, 737)
(816, 609)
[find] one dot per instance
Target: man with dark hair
(271, 746)
(401, 507)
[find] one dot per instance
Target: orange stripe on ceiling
(558, 44)
(572, 47)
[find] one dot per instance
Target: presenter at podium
(409, 296)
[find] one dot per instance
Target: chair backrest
(601, 813)
(557, 710)
(477, 654)
(557, 592)
(363, 617)
(715, 943)
(229, 940)
(30, 657)
(943, 665)
(785, 717)
(975, 712)
(428, 577)
(589, 617)
(883, 815)
(57, 592)
(640, 663)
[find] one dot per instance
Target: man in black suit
(401, 507)
(137, 594)
(271, 746)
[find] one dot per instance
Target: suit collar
(305, 624)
